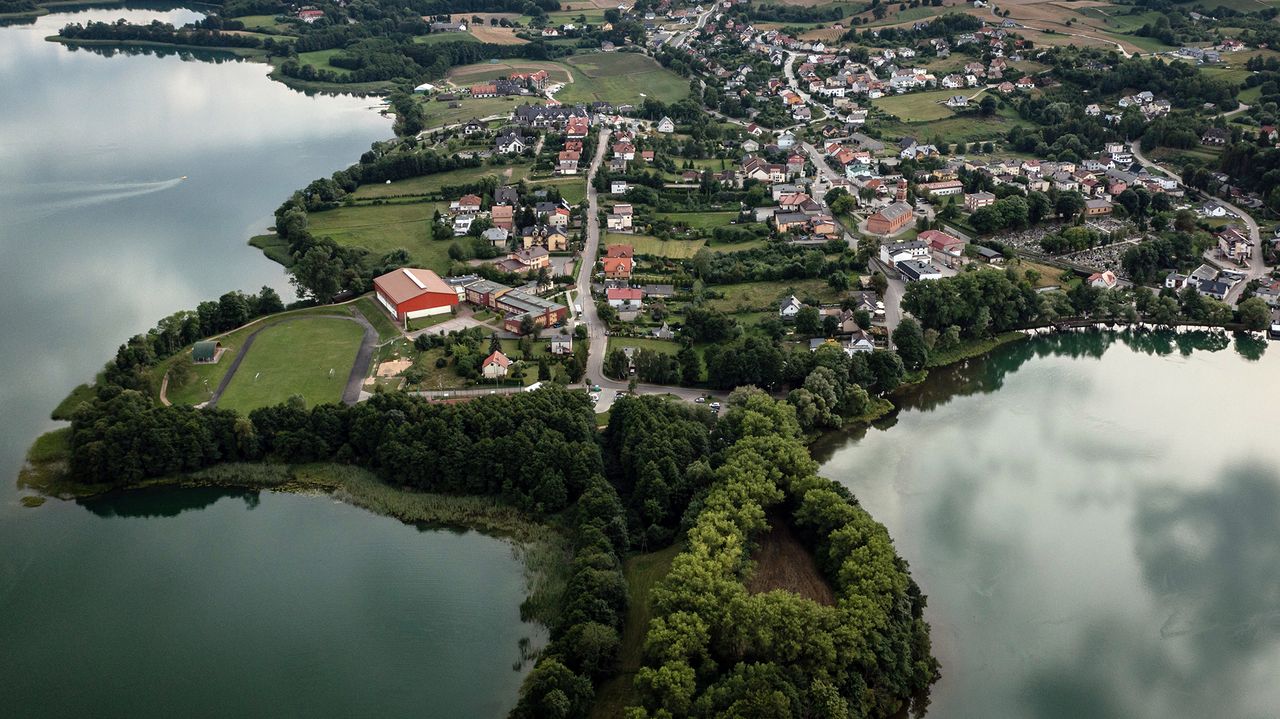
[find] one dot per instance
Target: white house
(495, 366)
(618, 187)
(789, 308)
(892, 254)
(625, 298)
(665, 125)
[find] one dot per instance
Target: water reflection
(1094, 543)
(165, 502)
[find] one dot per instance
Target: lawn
(621, 78)
(646, 245)
(310, 357)
(431, 184)
(1235, 75)
(378, 317)
(1250, 95)
(699, 220)
(919, 106)
(765, 296)
(669, 347)
(383, 228)
(642, 572)
(572, 189)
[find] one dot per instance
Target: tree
(1254, 314)
(879, 283)
(987, 107)
(616, 364)
(908, 340)
(690, 365)
(808, 321)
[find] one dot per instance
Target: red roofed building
(577, 126)
(487, 90)
(624, 298)
(409, 292)
(942, 242)
(618, 268)
(495, 365)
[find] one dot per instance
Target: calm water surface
(198, 603)
(1097, 528)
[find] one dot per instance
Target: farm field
(383, 228)
(274, 369)
(431, 184)
(620, 78)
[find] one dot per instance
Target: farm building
(410, 292)
(206, 352)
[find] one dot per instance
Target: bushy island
(724, 636)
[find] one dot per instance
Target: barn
(409, 292)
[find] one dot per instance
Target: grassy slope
(431, 184)
(295, 358)
(383, 228)
(621, 77)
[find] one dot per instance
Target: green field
(1236, 75)
(572, 189)
(431, 184)
(439, 113)
(378, 317)
(921, 106)
(621, 78)
(310, 357)
(765, 296)
(439, 38)
(647, 245)
(464, 75)
(383, 228)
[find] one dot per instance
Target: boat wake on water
(40, 200)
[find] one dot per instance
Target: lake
(198, 603)
(1096, 525)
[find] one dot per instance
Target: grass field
(431, 184)
(383, 228)
(470, 74)
(310, 357)
(440, 113)
(921, 106)
(765, 296)
(646, 245)
(440, 38)
(664, 346)
(621, 78)
(642, 572)
(319, 59)
(573, 189)
(378, 317)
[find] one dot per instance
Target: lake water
(198, 603)
(1097, 528)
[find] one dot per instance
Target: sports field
(277, 367)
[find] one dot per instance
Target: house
(618, 187)
(666, 126)
(894, 253)
(1096, 207)
(1025, 83)
(618, 223)
(1213, 209)
(858, 342)
(890, 219)
(625, 298)
(466, 205)
(788, 221)
(976, 200)
(1215, 136)
(509, 144)
(1216, 289)
(786, 141)
(957, 101)
(1103, 280)
(506, 195)
(789, 308)
(1269, 291)
(462, 224)
(988, 255)
(487, 89)
(618, 268)
(918, 270)
(1235, 245)
(409, 292)
(503, 216)
(567, 163)
(944, 188)
(495, 365)
(496, 236)
(528, 259)
(472, 127)
(562, 345)
(577, 127)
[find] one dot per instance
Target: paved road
(359, 370)
(1257, 268)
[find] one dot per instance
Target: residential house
(1103, 280)
(495, 366)
(789, 308)
(1215, 136)
(625, 298)
(1096, 207)
(666, 126)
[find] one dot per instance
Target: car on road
(700, 400)
(715, 406)
(595, 389)
(595, 397)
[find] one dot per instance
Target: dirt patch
(392, 368)
(782, 562)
